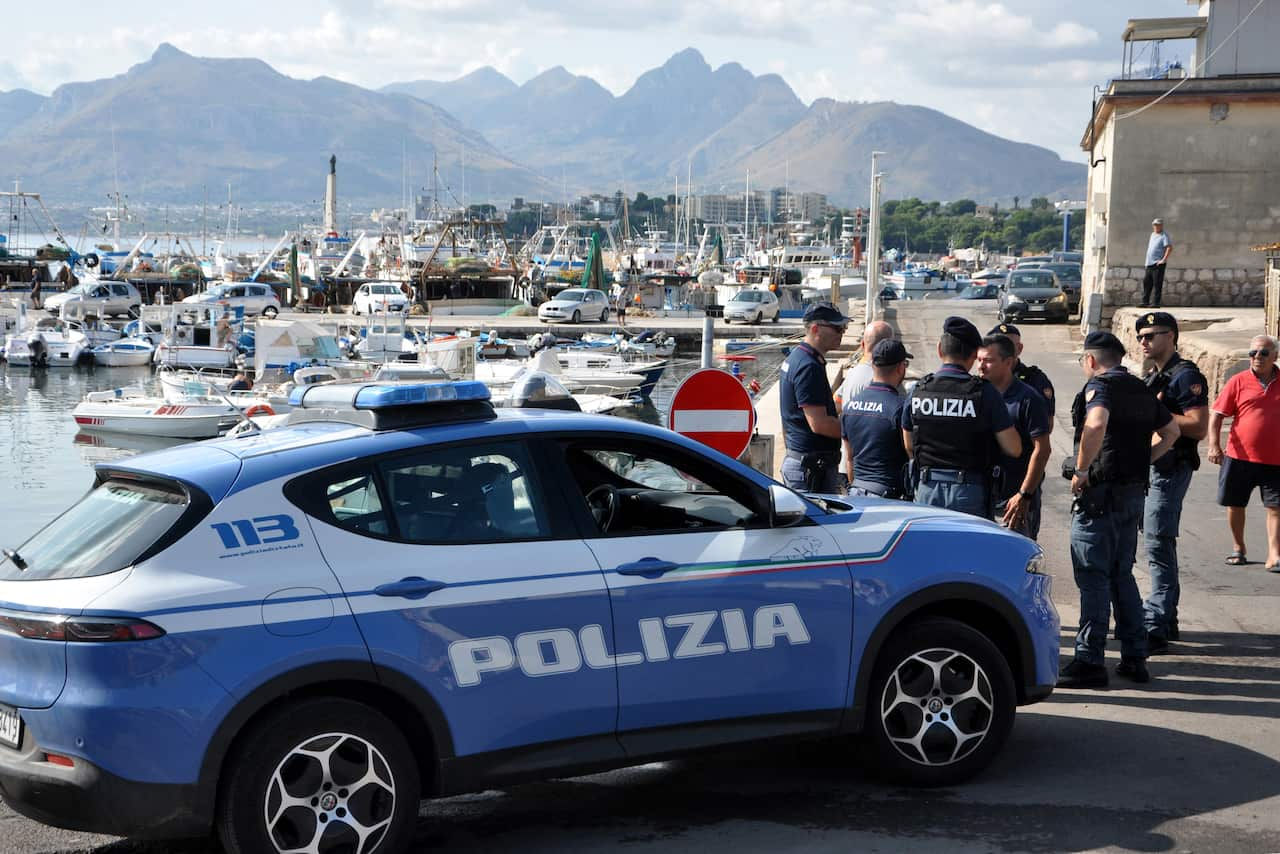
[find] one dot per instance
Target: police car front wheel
(321, 775)
(942, 704)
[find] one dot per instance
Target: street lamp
(873, 240)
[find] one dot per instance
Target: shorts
(1237, 479)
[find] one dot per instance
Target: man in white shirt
(1159, 246)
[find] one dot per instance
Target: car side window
(120, 290)
(473, 494)
(352, 502)
(631, 490)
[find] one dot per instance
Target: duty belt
(800, 455)
(937, 475)
(874, 488)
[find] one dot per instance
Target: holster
(1094, 500)
(814, 467)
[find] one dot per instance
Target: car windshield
(384, 289)
(106, 531)
(747, 296)
(1030, 280)
(572, 296)
(1069, 272)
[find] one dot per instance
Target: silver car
(253, 297)
(574, 305)
(99, 298)
(752, 306)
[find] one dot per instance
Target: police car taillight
(375, 396)
(60, 627)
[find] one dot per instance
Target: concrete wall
(1210, 166)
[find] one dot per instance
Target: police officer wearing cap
(1029, 374)
(1120, 430)
(810, 422)
(954, 427)
(1180, 386)
(872, 426)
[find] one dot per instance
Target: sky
(1022, 69)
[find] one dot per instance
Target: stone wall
(1237, 287)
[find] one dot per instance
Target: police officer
(1029, 374)
(810, 423)
(952, 426)
(1182, 389)
(1018, 495)
(872, 426)
(1114, 417)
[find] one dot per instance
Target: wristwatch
(1025, 494)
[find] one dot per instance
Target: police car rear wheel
(321, 775)
(943, 704)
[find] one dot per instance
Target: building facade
(1198, 148)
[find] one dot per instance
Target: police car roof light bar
(377, 396)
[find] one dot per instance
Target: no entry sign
(713, 408)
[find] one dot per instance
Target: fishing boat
(200, 336)
(134, 411)
(124, 353)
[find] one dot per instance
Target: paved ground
(1190, 762)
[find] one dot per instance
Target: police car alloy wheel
(944, 704)
(325, 776)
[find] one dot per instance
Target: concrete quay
(1215, 338)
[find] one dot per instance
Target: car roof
(223, 466)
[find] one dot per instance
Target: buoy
(259, 409)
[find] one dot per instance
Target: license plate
(1035, 308)
(10, 726)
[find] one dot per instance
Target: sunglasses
(1151, 336)
(1263, 353)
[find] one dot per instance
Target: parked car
(1030, 262)
(96, 297)
(1033, 293)
(575, 305)
(292, 637)
(1068, 257)
(376, 297)
(980, 292)
(251, 296)
(752, 306)
(1069, 277)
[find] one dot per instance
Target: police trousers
(1104, 545)
(1161, 517)
(964, 492)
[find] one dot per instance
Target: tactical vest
(950, 430)
(1126, 446)
(1185, 449)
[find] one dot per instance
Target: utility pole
(873, 240)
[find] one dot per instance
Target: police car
(295, 635)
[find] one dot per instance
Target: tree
(1040, 203)
(960, 207)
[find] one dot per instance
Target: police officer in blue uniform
(1115, 418)
(1182, 389)
(1018, 495)
(872, 426)
(954, 427)
(810, 422)
(1029, 374)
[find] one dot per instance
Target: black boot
(1133, 669)
(1082, 674)
(1156, 644)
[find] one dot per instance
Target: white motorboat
(50, 345)
(387, 341)
(133, 411)
(502, 373)
(200, 336)
(124, 352)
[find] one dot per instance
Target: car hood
(563, 303)
(1034, 293)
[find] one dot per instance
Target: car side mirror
(785, 507)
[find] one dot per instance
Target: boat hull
(170, 420)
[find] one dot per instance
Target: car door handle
(409, 588)
(647, 566)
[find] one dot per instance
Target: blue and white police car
(294, 636)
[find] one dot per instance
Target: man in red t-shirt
(1252, 398)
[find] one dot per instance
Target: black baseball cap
(1005, 329)
(966, 332)
(1156, 318)
(1103, 341)
(889, 352)
(824, 312)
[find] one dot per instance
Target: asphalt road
(1190, 762)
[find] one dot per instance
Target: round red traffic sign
(713, 408)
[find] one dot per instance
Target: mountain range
(176, 124)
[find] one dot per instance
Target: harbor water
(48, 460)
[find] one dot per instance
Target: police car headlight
(1035, 566)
